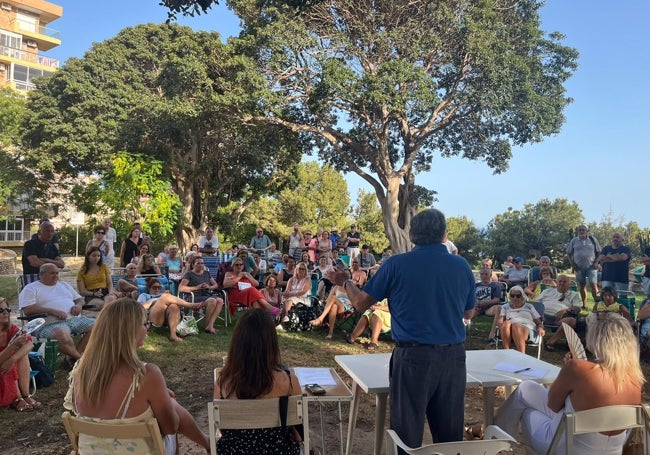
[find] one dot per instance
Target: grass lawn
(188, 369)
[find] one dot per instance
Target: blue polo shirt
(428, 292)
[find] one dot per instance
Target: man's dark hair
(428, 227)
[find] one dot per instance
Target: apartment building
(24, 35)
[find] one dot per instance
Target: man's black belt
(412, 344)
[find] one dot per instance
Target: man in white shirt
(62, 305)
(111, 237)
(209, 243)
(561, 304)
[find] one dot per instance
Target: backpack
(299, 317)
(45, 376)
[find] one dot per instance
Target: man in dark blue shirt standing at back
(429, 293)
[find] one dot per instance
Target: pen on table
(522, 370)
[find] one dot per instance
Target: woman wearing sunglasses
(519, 321)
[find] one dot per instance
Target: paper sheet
(320, 376)
(521, 369)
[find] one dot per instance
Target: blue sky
(599, 158)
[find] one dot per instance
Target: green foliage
(467, 238)
(381, 87)
(537, 229)
(174, 96)
(68, 237)
(18, 180)
(134, 190)
(633, 236)
(318, 198)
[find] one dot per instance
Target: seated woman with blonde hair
(337, 303)
(147, 265)
(111, 384)
(546, 280)
(614, 379)
(519, 321)
(254, 370)
(377, 319)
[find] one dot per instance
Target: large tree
(165, 92)
(383, 86)
(537, 229)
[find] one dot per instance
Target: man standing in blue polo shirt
(429, 293)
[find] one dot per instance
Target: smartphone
(315, 389)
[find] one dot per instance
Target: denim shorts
(583, 275)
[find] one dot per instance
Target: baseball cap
(519, 259)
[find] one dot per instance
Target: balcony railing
(32, 28)
(32, 57)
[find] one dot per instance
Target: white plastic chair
(606, 418)
(496, 440)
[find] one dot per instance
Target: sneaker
(492, 341)
(285, 319)
(279, 327)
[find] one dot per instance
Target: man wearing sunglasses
(561, 304)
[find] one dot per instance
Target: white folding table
(369, 373)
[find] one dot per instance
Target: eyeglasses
(515, 296)
(238, 264)
(101, 232)
(5, 310)
(307, 233)
(156, 287)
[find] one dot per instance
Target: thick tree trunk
(397, 212)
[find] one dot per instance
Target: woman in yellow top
(94, 279)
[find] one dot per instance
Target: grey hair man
(62, 305)
(40, 250)
(430, 293)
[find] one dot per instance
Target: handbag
(187, 326)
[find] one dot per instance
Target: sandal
(372, 347)
(348, 338)
(33, 403)
(20, 405)
(474, 430)
(328, 337)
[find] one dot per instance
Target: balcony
(30, 57)
(28, 27)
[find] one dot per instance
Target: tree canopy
(164, 92)
(543, 228)
(382, 87)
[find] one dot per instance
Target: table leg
(322, 428)
(488, 404)
(352, 422)
(380, 421)
(340, 428)
(305, 424)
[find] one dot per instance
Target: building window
(11, 230)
